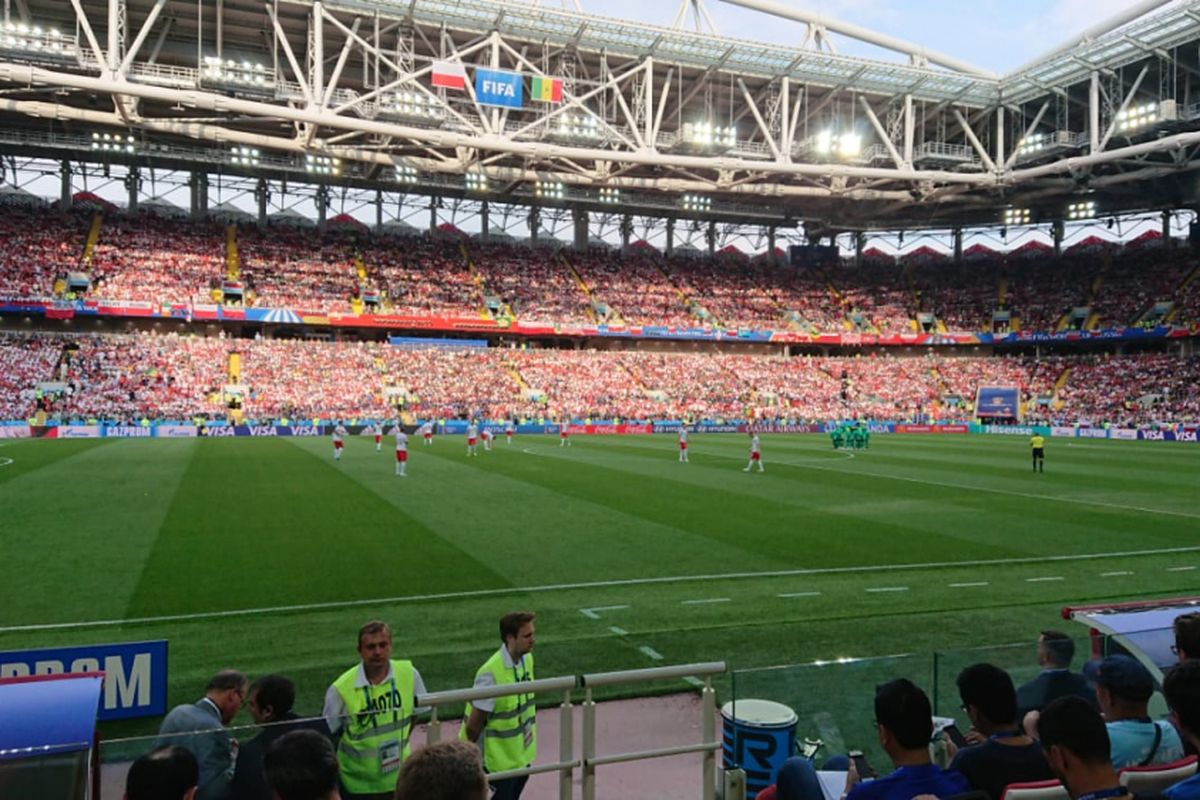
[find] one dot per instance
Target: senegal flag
(546, 90)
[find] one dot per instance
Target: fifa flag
(546, 90)
(447, 75)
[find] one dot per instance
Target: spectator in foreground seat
(200, 727)
(169, 772)
(1123, 688)
(1055, 650)
(904, 724)
(270, 703)
(1182, 689)
(444, 771)
(1187, 636)
(1076, 743)
(301, 765)
(1000, 752)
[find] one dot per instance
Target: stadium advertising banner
(931, 429)
(15, 432)
(607, 428)
(1011, 430)
(135, 673)
(262, 430)
(76, 432)
(1127, 434)
(997, 401)
(176, 431)
(127, 432)
(1169, 436)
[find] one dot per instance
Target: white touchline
(594, 611)
(650, 651)
(889, 589)
(559, 587)
(618, 631)
(798, 594)
(967, 585)
(1042, 580)
(708, 600)
(1115, 574)
(4, 462)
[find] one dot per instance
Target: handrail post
(589, 746)
(566, 746)
(709, 769)
(434, 734)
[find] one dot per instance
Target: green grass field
(267, 555)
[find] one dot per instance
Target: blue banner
(997, 401)
(135, 673)
(496, 88)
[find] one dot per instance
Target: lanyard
(1118, 791)
(1006, 735)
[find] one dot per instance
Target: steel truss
(759, 131)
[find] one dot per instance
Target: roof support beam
(883, 135)
(762, 125)
(980, 150)
(1112, 126)
(1012, 158)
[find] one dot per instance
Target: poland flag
(448, 75)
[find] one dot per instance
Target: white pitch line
(4, 462)
(706, 600)
(1044, 579)
(967, 585)
(619, 631)
(593, 612)
(1115, 574)
(1180, 569)
(560, 587)
(889, 589)
(992, 490)
(651, 652)
(798, 594)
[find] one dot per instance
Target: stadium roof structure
(683, 123)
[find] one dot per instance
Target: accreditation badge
(389, 757)
(529, 735)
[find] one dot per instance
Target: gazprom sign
(496, 88)
(135, 673)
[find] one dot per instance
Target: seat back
(1154, 779)
(1036, 790)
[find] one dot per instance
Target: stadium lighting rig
(705, 135)
(1016, 216)
(1137, 117)
(1084, 209)
(322, 165)
(236, 73)
(476, 182)
(696, 202)
(610, 195)
(113, 143)
(34, 39)
(549, 190)
(841, 145)
(575, 128)
(245, 156)
(410, 105)
(402, 173)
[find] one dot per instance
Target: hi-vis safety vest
(509, 738)
(374, 735)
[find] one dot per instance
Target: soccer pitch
(266, 555)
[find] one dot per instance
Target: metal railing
(588, 760)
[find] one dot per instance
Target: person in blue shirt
(1123, 688)
(1182, 689)
(904, 724)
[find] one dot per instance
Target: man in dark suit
(270, 703)
(1054, 653)
(200, 728)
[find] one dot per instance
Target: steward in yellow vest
(505, 727)
(370, 708)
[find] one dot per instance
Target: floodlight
(476, 182)
(245, 156)
(113, 143)
(322, 165)
(705, 135)
(550, 190)
(1016, 216)
(235, 73)
(610, 195)
(696, 202)
(411, 105)
(580, 127)
(404, 174)
(1135, 117)
(1085, 209)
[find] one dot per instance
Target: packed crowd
(146, 258)
(128, 378)
(25, 362)
(178, 377)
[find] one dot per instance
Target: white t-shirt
(508, 426)
(338, 433)
(427, 428)
(754, 444)
(683, 435)
(472, 432)
(401, 441)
